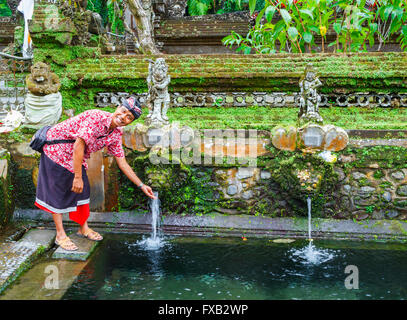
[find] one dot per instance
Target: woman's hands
(148, 191)
(77, 185)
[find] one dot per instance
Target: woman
(63, 185)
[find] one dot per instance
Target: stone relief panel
(270, 99)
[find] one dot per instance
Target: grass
(265, 118)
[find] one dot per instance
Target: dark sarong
(54, 191)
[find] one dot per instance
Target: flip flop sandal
(91, 235)
(66, 244)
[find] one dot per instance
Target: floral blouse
(93, 127)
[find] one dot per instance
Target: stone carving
(264, 99)
(86, 22)
(285, 139)
(309, 98)
(175, 8)
(42, 81)
(43, 102)
(170, 8)
(158, 99)
(13, 4)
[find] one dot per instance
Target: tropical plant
(4, 9)
(100, 7)
(291, 26)
(115, 15)
(202, 7)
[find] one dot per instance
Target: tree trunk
(143, 15)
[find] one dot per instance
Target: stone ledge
(224, 225)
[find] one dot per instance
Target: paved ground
(17, 256)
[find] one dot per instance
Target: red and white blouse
(93, 127)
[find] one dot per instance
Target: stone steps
(16, 257)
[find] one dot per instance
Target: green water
(225, 268)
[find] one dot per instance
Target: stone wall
(368, 181)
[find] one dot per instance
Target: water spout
(155, 241)
(310, 254)
(155, 216)
(309, 218)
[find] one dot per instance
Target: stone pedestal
(43, 110)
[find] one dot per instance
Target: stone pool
(196, 268)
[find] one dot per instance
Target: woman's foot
(90, 234)
(66, 244)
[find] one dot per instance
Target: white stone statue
(43, 102)
(309, 97)
(158, 98)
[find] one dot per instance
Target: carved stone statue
(43, 103)
(175, 8)
(309, 98)
(42, 81)
(158, 98)
(13, 4)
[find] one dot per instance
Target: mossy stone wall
(6, 189)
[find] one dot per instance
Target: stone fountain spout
(312, 142)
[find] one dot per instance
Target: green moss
(6, 194)
(26, 265)
(24, 188)
(378, 174)
(181, 189)
(385, 156)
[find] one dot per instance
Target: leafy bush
(4, 9)
(291, 26)
(202, 7)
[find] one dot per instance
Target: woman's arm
(128, 171)
(78, 152)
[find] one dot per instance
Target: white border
(66, 210)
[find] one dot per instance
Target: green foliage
(203, 7)
(265, 118)
(297, 23)
(100, 7)
(4, 9)
(199, 7)
(115, 15)
(385, 156)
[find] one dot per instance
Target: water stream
(311, 254)
(309, 218)
(155, 241)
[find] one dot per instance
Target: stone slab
(40, 237)
(32, 284)
(85, 249)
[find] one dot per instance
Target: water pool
(230, 268)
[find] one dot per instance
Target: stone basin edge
(216, 224)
